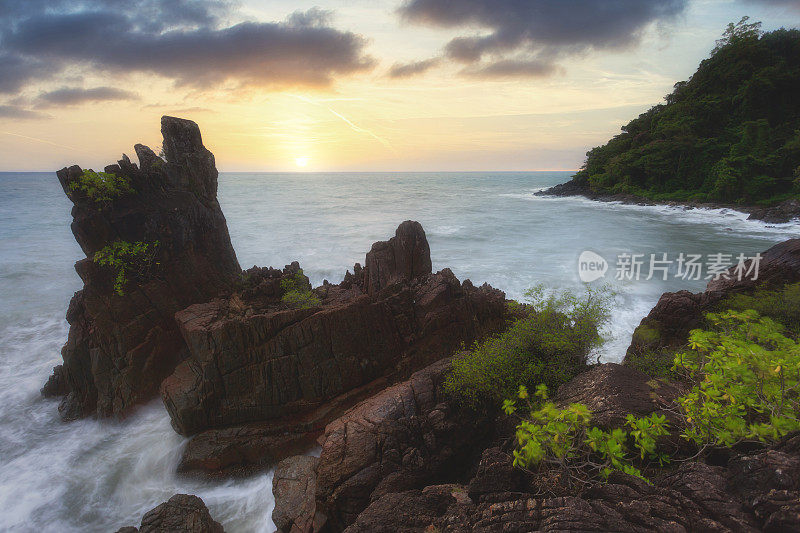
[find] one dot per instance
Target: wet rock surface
(182, 513)
(294, 487)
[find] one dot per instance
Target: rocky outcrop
(756, 492)
(403, 438)
(263, 378)
(180, 514)
(121, 346)
(668, 324)
(294, 486)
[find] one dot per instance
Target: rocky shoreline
(786, 211)
(256, 380)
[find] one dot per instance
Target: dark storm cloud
(543, 30)
(184, 40)
(77, 95)
(13, 111)
(406, 70)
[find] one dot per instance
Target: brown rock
(612, 391)
(400, 259)
(294, 486)
(180, 514)
(667, 325)
(259, 369)
(400, 439)
(121, 347)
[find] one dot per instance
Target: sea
(99, 475)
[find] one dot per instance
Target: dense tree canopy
(730, 133)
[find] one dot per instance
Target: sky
(347, 85)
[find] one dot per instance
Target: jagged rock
(259, 368)
(294, 486)
(56, 384)
(180, 514)
(402, 258)
(400, 439)
(121, 347)
(667, 325)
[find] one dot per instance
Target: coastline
(781, 213)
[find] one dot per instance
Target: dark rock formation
(263, 378)
(294, 486)
(180, 514)
(403, 438)
(755, 492)
(120, 347)
(667, 325)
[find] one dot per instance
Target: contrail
(350, 123)
(39, 140)
(362, 130)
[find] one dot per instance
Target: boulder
(121, 346)
(401, 439)
(182, 513)
(667, 326)
(785, 211)
(294, 486)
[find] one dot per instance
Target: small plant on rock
(745, 376)
(297, 292)
(562, 438)
(101, 187)
(127, 260)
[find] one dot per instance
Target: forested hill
(729, 134)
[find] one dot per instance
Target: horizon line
(332, 171)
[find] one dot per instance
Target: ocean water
(100, 475)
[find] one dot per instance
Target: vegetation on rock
(101, 187)
(551, 344)
(297, 292)
(730, 133)
(562, 438)
(745, 376)
(127, 260)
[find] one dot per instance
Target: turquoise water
(98, 476)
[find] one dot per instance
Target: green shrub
(297, 292)
(745, 376)
(782, 305)
(562, 438)
(127, 260)
(550, 345)
(101, 187)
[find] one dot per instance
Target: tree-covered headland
(731, 133)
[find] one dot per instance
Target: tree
(738, 32)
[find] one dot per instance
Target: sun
(301, 161)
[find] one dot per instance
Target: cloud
(510, 68)
(187, 41)
(406, 70)
(76, 95)
(521, 37)
(790, 4)
(12, 111)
